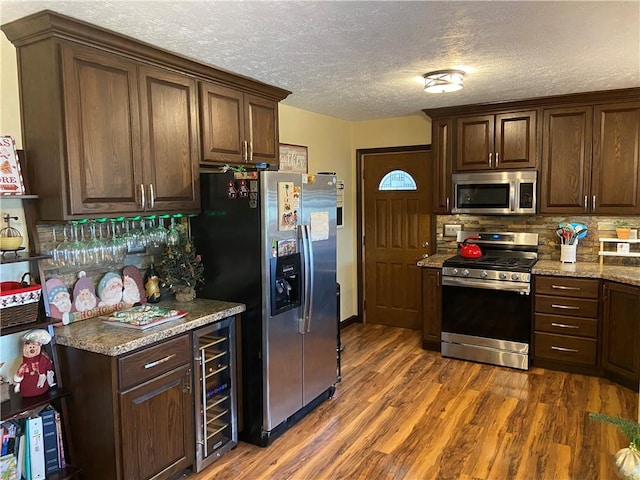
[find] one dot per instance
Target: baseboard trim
(348, 321)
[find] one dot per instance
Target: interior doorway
(395, 228)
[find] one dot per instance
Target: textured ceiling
(362, 60)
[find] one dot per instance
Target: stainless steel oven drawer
(566, 349)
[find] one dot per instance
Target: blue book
(50, 434)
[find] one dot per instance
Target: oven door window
(484, 313)
(483, 195)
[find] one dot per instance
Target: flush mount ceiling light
(443, 81)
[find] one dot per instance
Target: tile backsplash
(544, 226)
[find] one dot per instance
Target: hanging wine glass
(62, 252)
(173, 237)
(93, 248)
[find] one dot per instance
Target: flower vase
(185, 294)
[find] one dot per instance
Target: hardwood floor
(401, 412)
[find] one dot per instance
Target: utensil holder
(568, 253)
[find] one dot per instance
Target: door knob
(425, 244)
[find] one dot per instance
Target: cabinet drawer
(565, 348)
(567, 287)
(565, 325)
(575, 307)
(153, 361)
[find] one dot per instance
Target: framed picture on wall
(293, 158)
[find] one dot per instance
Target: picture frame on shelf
(11, 182)
(293, 158)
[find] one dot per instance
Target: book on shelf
(50, 435)
(35, 458)
(61, 460)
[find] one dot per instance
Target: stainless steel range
(486, 302)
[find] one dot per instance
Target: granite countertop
(628, 275)
(95, 336)
(434, 261)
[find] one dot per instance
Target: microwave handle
(512, 196)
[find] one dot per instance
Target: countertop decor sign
(181, 268)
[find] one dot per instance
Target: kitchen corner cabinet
(621, 334)
(431, 308)
(566, 324)
(442, 148)
(133, 414)
(591, 159)
(496, 142)
(237, 127)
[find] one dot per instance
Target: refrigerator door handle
(307, 252)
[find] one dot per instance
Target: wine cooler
(215, 391)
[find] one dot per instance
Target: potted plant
(627, 459)
(181, 269)
(622, 229)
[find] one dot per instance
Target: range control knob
(502, 276)
(515, 276)
(484, 274)
(454, 271)
(465, 272)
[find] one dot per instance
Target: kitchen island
(133, 391)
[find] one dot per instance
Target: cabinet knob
(251, 151)
(447, 204)
(497, 159)
(586, 204)
(593, 204)
(490, 158)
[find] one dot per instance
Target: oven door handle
(516, 287)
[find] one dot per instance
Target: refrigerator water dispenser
(286, 283)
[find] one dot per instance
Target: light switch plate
(451, 230)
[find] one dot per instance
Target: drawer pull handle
(562, 287)
(158, 362)
(562, 349)
(564, 307)
(563, 325)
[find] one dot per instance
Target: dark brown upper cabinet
(237, 127)
(496, 142)
(591, 159)
(112, 125)
(442, 148)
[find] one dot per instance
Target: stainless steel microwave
(495, 193)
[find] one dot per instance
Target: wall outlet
(451, 230)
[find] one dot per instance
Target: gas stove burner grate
(491, 262)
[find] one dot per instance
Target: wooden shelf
(606, 253)
(28, 326)
(22, 257)
(20, 197)
(17, 406)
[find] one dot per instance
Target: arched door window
(397, 180)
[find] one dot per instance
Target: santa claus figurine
(35, 374)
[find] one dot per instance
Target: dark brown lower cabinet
(431, 308)
(621, 322)
(135, 411)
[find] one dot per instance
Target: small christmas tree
(181, 268)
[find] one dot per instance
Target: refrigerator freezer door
(282, 343)
(321, 330)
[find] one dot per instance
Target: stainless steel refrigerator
(268, 240)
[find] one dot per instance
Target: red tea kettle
(469, 250)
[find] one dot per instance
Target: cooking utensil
(469, 250)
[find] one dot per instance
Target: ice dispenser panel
(286, 283)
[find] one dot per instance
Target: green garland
(181, 266)
(629, 428)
